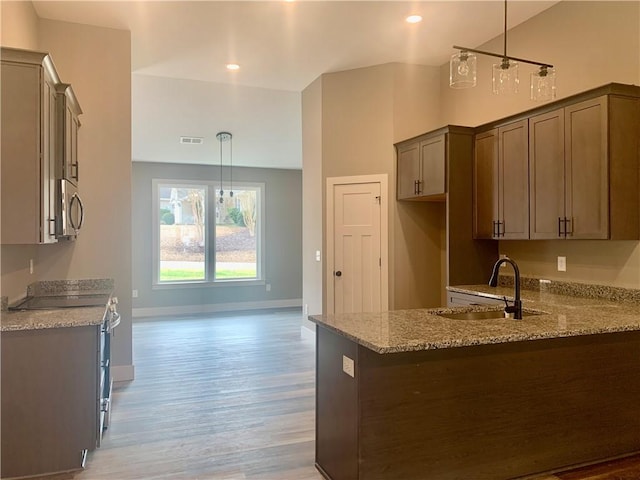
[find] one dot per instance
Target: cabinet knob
(338, 273)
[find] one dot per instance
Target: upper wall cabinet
(583, 169)
(39, 146)
(28, 147)
(68, 126)
(501, 182)
(421, 168)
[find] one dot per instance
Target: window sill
(207, 284)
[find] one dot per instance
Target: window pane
(182, 233)
(236, 236)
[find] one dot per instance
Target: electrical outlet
(317, 255)
(348, 366)
(562, 264)
(306, 309)
(268, 287)
(134, 293)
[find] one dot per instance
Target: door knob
(338, 273)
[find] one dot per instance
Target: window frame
(212, 187)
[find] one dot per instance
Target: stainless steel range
(111, 321)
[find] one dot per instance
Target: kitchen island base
(495, 411)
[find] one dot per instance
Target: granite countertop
(13, 320)
(560, 315)
(54, 318)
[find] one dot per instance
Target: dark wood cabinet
(501, 183)
(50, 398)
(584, 170)
(458, 413)
(546, 174)
(566, 170)
(421, 168)
(444, 158)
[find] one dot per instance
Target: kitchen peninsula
(412, 394)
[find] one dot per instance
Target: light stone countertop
(422, 329)
(14, 320)
(53, 318)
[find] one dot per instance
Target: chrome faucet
(516, 308)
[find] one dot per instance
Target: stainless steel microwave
(70, 215)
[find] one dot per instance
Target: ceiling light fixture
(462, 71)
(233, 66)
(413, 19)
(224, 137)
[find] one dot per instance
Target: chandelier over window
(462, 71)
(224, 137)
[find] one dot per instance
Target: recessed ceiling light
(233, 66)
(413, 19)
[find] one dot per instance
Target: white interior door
(357, 248)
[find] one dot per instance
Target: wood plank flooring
(215, 397)
(229, 397)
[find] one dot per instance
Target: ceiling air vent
(192, 140)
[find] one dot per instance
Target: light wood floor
(227, 397)
(217, 397)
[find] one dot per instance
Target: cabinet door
(49, 405)
(586, 169)
(28, 187)
(546, 175)
(485, 184)
(432, 159)
(513, 181)
(49, 193)
(408, 171)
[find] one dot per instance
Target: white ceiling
(180, 85)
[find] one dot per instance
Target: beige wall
(19, 25)
(312, 200)
(97, 62)
(364, 112)
(590, 44)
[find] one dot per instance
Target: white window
(202, 237)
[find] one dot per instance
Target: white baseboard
(122, 373)
(214, 307)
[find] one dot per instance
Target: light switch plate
(348, 366)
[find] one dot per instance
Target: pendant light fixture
(462, 71)
(224, 137)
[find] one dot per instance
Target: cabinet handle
(501, 234)
(560, 226)
(568, 231)
(493, 230)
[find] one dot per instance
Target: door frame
(331, 182)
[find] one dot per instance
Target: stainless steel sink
(491, 315)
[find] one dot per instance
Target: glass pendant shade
(505, 77)
(543, 85)
(462, 70)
